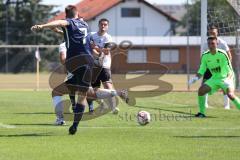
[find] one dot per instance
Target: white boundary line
(6, 126)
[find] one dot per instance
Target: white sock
(206, 100)
(105, 93)
(226, 101)
(57, 102)
(112, 103)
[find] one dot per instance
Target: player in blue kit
(79, 62)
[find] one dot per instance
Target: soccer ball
(143, 117)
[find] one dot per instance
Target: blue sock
(78, 113)
(90, 104)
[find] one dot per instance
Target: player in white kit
(101, 41)
(57, 100)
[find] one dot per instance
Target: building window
(169, 56)
(130, 12)
(137, 56)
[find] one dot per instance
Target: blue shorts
(81, 69)
(81, 79)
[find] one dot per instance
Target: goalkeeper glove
(193, 80)
(228, 82)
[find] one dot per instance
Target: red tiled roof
(89, 9)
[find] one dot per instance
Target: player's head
(103, 25)
(71, 11)
(213, 31)
(212, 43)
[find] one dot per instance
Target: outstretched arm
(53, 24)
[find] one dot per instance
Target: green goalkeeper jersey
(218, 64)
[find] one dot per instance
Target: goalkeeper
(217, 61)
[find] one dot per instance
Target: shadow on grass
(206, 137)
(35, 113)
(174, 111)
(27, 135)
(33, 124)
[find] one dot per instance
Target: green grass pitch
(27, 133)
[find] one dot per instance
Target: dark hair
(71, 11)
(103, 19)
(212, 27)
(212, 38)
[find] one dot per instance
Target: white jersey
(100, 42)
(62, 49)
(221, 45)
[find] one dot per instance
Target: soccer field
(27, 81)
(26, 130)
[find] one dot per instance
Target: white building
(127, 17)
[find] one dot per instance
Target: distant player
(79, 62)
(219, 64)
(213, 31)
(62, 57)
(57, 100)
(101, 50)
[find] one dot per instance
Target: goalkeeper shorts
(216, 84)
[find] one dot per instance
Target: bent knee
(231, 95)
(203, 90)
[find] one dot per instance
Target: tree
(16, 17)
(220, 14)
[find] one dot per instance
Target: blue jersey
(75, 35)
